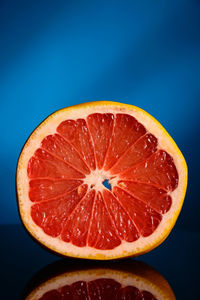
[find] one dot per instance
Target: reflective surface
(177, 260)
(122, 280)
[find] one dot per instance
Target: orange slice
(100, 180)
(121, 281)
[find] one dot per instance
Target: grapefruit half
(100, 180)
(120, 281)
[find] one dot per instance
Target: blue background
(58, 53)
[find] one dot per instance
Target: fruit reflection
(78, 280)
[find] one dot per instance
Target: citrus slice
(100, 180)
(121, 281)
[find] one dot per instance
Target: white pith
(49, 127)
(124, 278)
(96, 178)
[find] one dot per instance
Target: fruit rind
(48, 126)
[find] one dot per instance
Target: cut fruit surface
(62, 196)
(129, 280)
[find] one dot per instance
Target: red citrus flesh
(65, 206)
(102, 288)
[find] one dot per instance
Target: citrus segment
(54, 294)
(63, 150)
(104, 288)
(79, 290)
(102, 233)
(129, 292)
(51, 215)
(100, 127)
(125, 132)
(65, 290)
(138, 152)
(76, 132)
(44, 164)
(46, 189)
(144, 217)
(124, 225)
(158, 169)
(156, 198)
(63, 168)
(75, 229)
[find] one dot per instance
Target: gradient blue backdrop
(59, 53)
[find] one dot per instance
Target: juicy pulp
(66, 175)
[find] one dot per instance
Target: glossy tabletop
(177, 260)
